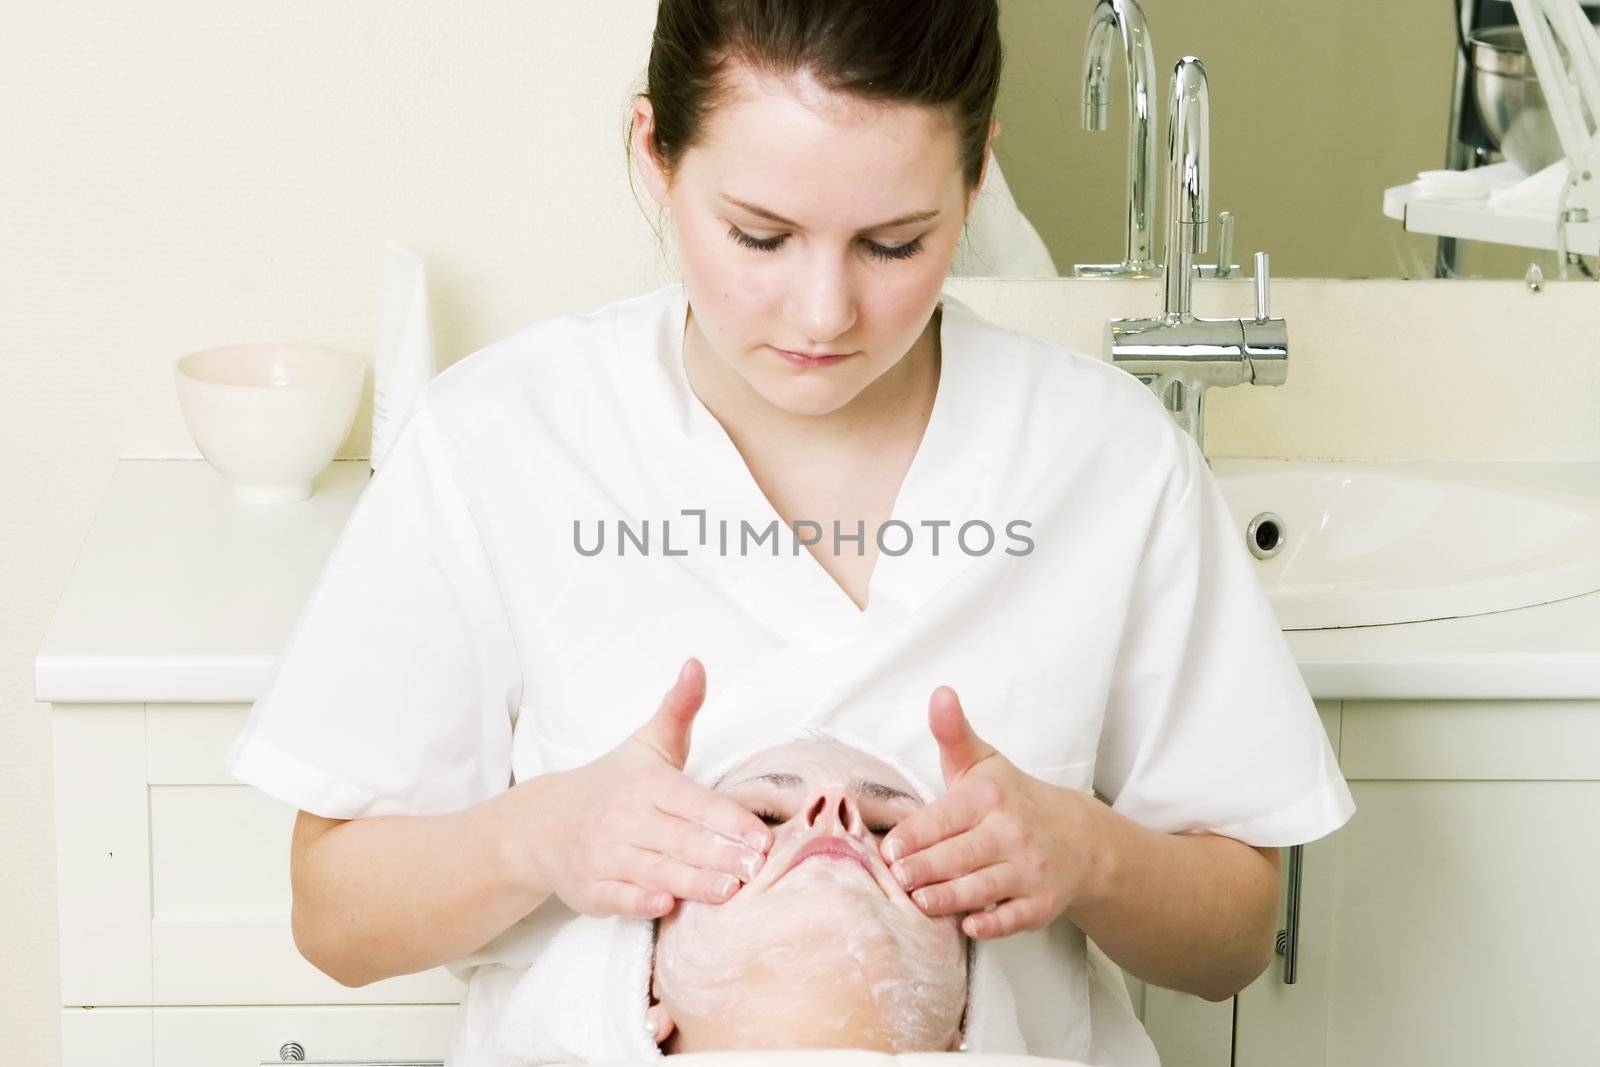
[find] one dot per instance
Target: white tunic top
(1110, 635)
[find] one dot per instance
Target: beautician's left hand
(997, 838)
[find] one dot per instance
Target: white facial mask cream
(830, 953)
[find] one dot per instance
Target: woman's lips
(810, 361)
(828, 846)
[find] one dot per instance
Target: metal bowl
(1510, 101)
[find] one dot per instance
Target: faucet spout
(1188, 182)
(1124, 20)
(1178, 355)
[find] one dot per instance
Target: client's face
(823, 949)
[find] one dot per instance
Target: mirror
(1316, 109)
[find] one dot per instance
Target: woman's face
(821, 949)
(870, 203)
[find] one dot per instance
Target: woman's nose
(832, 809)
(827, 308)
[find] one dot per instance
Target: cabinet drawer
(175, 878)
(250, 1036)
(1489, 740)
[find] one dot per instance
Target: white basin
(1366, 544)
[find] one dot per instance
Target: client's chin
(823, 956)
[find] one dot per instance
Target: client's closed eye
(772, 818)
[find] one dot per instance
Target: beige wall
(185, 174)
(1316, 107)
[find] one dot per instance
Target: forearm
(1191, 912)
(391, 895)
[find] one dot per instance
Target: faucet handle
(1224, 267)
(1224, 244)
(1266, 339)
(1263, 281)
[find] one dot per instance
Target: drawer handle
(294, 1052)
(1288, 940)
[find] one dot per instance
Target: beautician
(826, 493)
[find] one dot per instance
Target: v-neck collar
(796, 596)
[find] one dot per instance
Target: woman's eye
(875, 250)
(772, 818)
(760, 244)
(905, 251)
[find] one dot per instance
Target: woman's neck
(903, 392)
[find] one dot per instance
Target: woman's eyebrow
(773, 216)
(862, 787)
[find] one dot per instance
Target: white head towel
(584, 999)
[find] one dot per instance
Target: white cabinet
(174, 898)
(1190, 1031)
(1453, 920)
(249, 1036)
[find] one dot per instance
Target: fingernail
(755, 840)
(901, 876)
(726, 885)
(921, 898)
(894, 849)
(749, 863)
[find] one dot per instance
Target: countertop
(181, 594)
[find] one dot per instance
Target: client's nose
(832, 809)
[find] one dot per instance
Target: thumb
(959, 748)
(668, 729)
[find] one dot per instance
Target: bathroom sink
(1363, 544)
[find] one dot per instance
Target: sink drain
(1265, 535)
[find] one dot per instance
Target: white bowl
(269, 417)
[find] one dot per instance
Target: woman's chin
(813, 392)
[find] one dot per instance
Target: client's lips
(828, 845)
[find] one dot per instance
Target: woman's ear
(658, 1016)
(644, 154)
(988, 160)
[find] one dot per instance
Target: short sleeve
(396, 691)
(1209, 725)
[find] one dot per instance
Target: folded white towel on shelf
(1537, 194)
(584, 999)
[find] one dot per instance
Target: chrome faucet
(1177, 355)
(1125, 18)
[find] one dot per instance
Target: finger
(960, 749)
(1007, 918)
(657, 871)
(949, 859)
(956, 812)
(668, 729)
(624, 898)
(688, 799)
(697, 846)
(984, 886)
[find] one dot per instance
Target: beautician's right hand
(630, 833)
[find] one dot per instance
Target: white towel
(1537, 194)
(584, 999)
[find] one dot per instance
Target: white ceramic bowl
(269, 417)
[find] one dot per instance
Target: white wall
(182, 174)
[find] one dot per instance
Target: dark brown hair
(944, 53)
